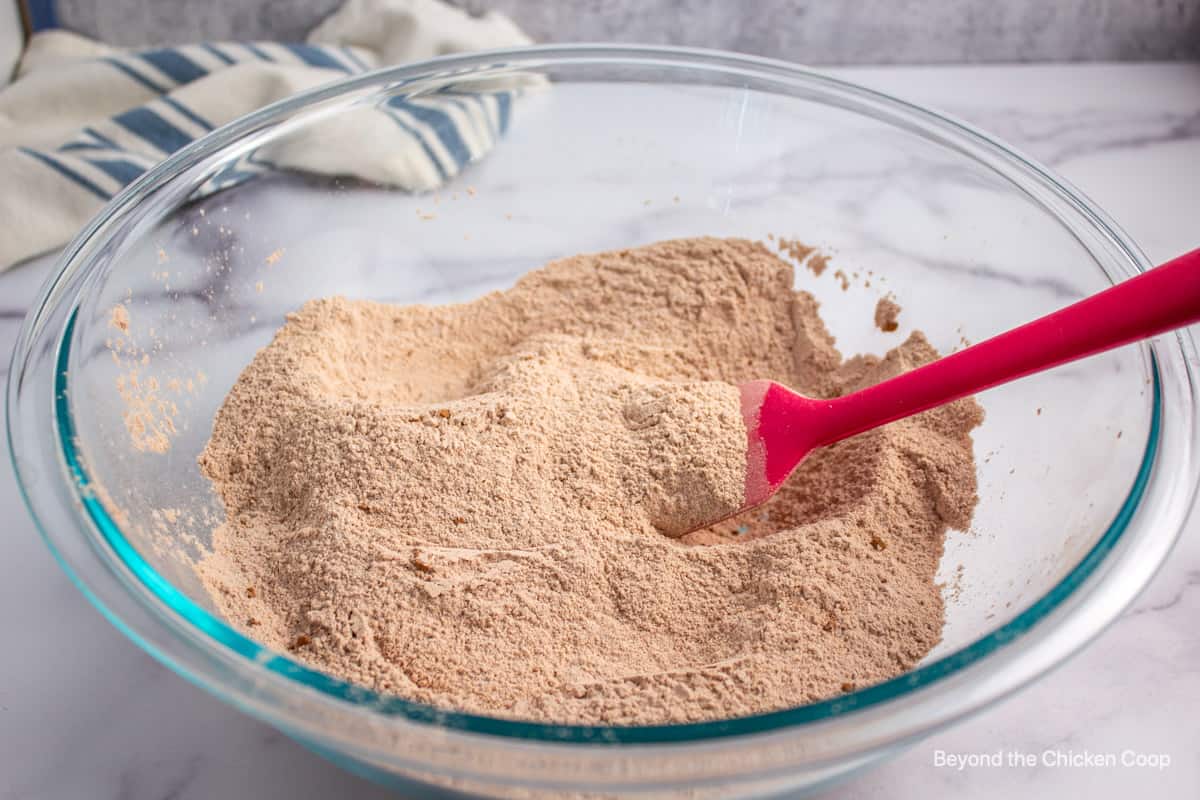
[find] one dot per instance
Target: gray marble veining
(84, 713)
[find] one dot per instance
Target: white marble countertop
(85, 714)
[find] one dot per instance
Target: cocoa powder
(479, 506)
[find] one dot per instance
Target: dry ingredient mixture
(887, 314)
(479, 506)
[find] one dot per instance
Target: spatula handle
(1161, 299)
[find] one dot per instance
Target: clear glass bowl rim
(175, 611)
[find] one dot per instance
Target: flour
(484, 506)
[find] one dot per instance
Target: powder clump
(887, 314)
(482, 506)
(119, 318)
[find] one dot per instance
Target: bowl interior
(441, 189)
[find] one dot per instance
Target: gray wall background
(809, 31)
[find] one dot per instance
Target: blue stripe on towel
(123, 172)
(98, 136)
(477, 114)
(254, 49)
(316, 57)
(212, 48)
(503, 105)
(67, 172)
(187, 112)
(88, 140)
(442, 125)
(353, 58)
(69, 146)
(255, 158)
(154, 129)
(41, 14)
(437, 164)
(137, 76)
(173, 64)
(485, 111)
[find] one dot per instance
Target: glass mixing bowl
(438, 182)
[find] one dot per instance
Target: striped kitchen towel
(81, 120)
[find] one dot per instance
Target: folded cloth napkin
(81, 120)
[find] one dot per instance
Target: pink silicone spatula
(783, 427)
